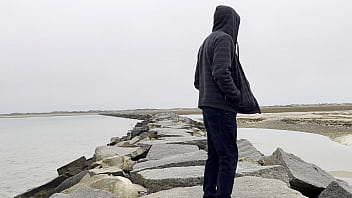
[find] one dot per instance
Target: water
(31, 149)
(313, 148)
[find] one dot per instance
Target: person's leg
(212, 163)
(226, 148)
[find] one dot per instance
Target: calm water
(31, 149)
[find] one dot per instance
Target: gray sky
(114, 54)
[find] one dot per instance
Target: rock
(192, 140)
(141, 152)
(103, 152)
(45, 190)
(197, 132)
(270, 172)
(305, 177)
(114, 140)
(86, 192)
(337, 189)
(113, 170)
(167, 132)
(74, 167)
(247, 150)
(159, 151)
(120, 186)
(71, 181)
(244, 187)
(122, 162)
(162, 179)
(187, 159)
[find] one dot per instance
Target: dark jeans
(220, 168)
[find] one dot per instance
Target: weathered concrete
(244, 187)
(269, 172)
(247, 150)
(159, 151)
(187, 159)
(73, 167)
(161, 179)
(103, 152)
(86, 192)
(337, 189)
(304, 177)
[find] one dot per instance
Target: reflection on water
(31, 149)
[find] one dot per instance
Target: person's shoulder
(221, 36)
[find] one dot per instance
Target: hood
(227, 20)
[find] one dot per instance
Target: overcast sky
(101, 54)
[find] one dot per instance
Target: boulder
(247, 151)
(71, 181)
(114, 140)
(337, 189)
(73, 167)
(186, 159)
(168, 132)
(159, 151)
(304, 177)
(162, 179)
(86, 192)
(103, 152)
(120, 161)
(192, 140)
(141, 152)
(244, 187)
(113, 170)
(120, 186)
(270, 172)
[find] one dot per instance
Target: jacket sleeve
(221, 68)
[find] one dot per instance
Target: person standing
(223, 92)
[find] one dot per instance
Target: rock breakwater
(164, 156)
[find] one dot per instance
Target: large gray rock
(113, 170)
(247, 151)
(269, 172)
(244, 187)
(86, 192)
(71, 181)
(337, 189)
(186, 159)
(159, 151)
(73, 167)
(162, 179)
(193, 140)
(304, 177)
(169, 132)
(103, 152)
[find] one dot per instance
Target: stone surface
(122, 162)
(141, 152)
(120, 186)
(159, 151)
(71, 181)
(244, 187)
(113, 170)
(269, 172)
(86, 192)
(73, 167)
(247, 150)
(45, 190)
(103, 152)
(304, 177)
(168, 132)
(187, 159)
(161, 179)
(337, 189)
(193, 140)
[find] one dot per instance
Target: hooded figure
(223, 82)
(223, 92)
